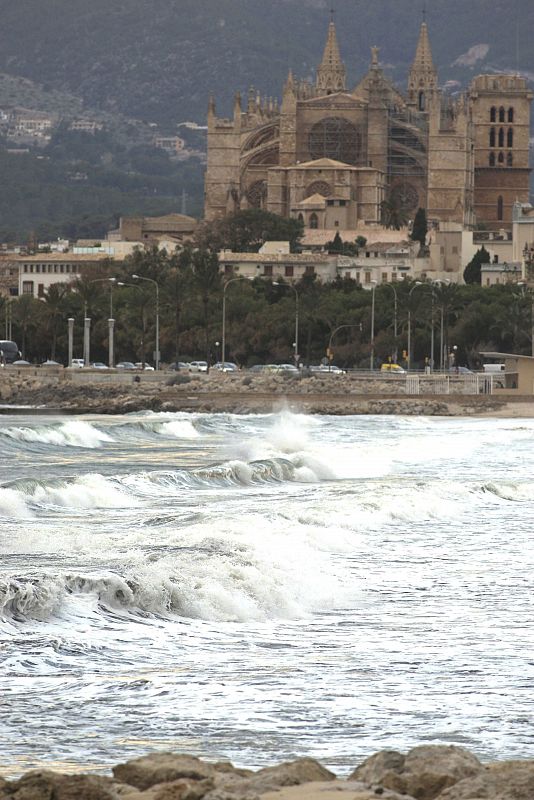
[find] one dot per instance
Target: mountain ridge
(158, 62)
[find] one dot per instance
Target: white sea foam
(73, 433)
(13, 504)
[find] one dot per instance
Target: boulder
(48, 785)
(423, 773)
(156, 768)
(291, 773)
(504, 780)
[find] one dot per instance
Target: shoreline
(59, 394)
(426, 772)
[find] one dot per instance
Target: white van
(494, 368)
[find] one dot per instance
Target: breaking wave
(74, 433)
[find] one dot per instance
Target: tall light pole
(395, 306)
(372, 357)
(296, 342)
(223, 340)
(151, 280)
(339, 327)
(416, 284)
(70, 322)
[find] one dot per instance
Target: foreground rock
(423, 773)
(429, 772)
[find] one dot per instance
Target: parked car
(145, 366)
(460, 371)
(393, 368)
(331, 369)
(20, 362)
(258, 368)
(228, 366)
(9, 351)
(50, 363)
(99, 365)
(78, 363)
(180, 366)
(286, 368)
(198, 366)
(125, 365)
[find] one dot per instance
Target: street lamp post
(372, 357)
(86, 340)
(296, 342)
(395, 315)
(339, 327)
(70, 322)
(409, 360)
(223, 339)
(151, 280)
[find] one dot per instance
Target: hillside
(157, 61)
(144, 67)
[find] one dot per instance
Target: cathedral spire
(423, 78)
(331, 74)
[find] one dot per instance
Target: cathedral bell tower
(423, 78)
(331, 74)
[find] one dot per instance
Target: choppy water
(258, 588)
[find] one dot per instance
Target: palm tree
(393, 215)
(206, 279)
(26, 312)
(53, 309)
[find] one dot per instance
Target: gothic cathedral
(331, 156)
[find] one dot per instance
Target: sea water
(263, 587)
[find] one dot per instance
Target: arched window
(501, 137)
(300, 218)
(337, 138)
(492, 137)
(493, 114)
(510, 115)
(421, 101)
(314, 221)
(492, 159)
(509, 160)
(500, 208)
(510, 138)
(501, 158)
(501, 114)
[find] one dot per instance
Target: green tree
(393, 215)
(206, 281)
(420, 227)
(336, 246)
(473, 271)
(246, 231)
(53, 309)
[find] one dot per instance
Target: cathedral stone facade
(330, 155)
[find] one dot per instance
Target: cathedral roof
(314, 200)
(323, 163)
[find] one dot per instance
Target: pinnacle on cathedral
(423, 78)
(331, 74)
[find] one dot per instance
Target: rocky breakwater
(242, 392)
(429, 772)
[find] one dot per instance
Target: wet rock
(506, 780)
(156, 768)
(48, 785)
(423, 773)
(291, 773)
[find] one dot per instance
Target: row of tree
(260, 315)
